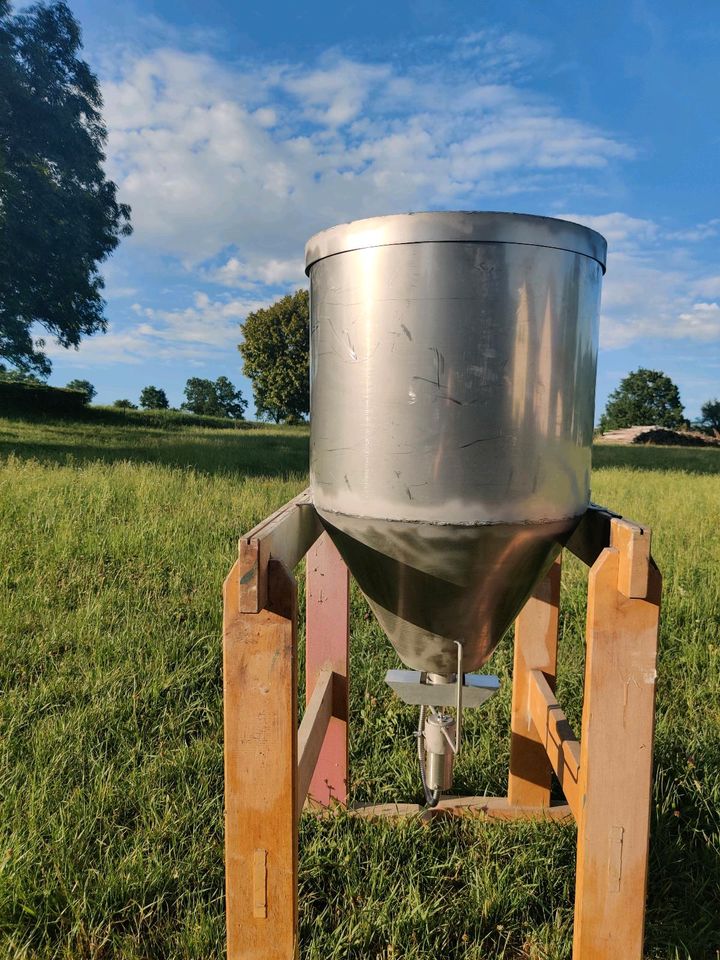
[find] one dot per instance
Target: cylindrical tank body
(453, 360)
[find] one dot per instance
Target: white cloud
(653, 284)
(229, 169)
(271, 272)
(118, 293)
(707, 286)
(335, 92)
(701, 231)
(245, 163)
(702, 322)
(207, 329)
(207, 323)
(622, 232)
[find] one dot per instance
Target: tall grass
(114, 543)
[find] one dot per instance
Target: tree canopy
(153, 398)
(276, 355)
(710, 414)
(59, 214)
(125, 405)
(217, 398)
(84, 387)
(17, 376)
(644, 398)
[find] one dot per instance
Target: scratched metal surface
(452, 386)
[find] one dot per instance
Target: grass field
(115, 539)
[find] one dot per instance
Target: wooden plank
(497, 808)
(536, 632)
(260, 698)
(615, 765)
(554, 731)
(312, 732)
(389, 811)
(286, 536)
(327, 636)
(633, 544)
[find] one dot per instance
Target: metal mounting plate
(477, 688)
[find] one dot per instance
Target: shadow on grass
(178, 440)
(701, 460)
(265, 451)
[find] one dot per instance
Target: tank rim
(457, 226)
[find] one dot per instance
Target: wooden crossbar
(490, 808)
(561, 745)
(311, 734)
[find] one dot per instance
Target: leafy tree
(83, 386)
(710, 414)
(217, 398)
(275, 351)
(59, 216)
(644, 398)
(200, 397)
(229, 400)
(125, 405)
(153, 398)
(17, 376)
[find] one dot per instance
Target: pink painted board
(327, 632)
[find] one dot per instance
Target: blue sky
(238, 130)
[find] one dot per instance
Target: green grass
(115, 538)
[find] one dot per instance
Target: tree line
(208, 398)
(275, 351)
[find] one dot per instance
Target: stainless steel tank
(453, 360)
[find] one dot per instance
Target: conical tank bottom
(430, 585)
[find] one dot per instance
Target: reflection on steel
(438, 735)
(452, 396)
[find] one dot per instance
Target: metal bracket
(409, 686)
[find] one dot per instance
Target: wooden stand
(271, 767)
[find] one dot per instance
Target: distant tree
(153, 398)
(59, 216)
(644, 398)
(217, 398)
(125, 405)
(276, 356)
(83, 386)
(200, 397)
(17, 376)
(710, 414)
(229, 399)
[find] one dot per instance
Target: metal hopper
(452, 400)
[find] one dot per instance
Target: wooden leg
(327, 631)
(260, 690)
(616, 760)
(536, 637)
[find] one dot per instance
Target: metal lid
(456, 227)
